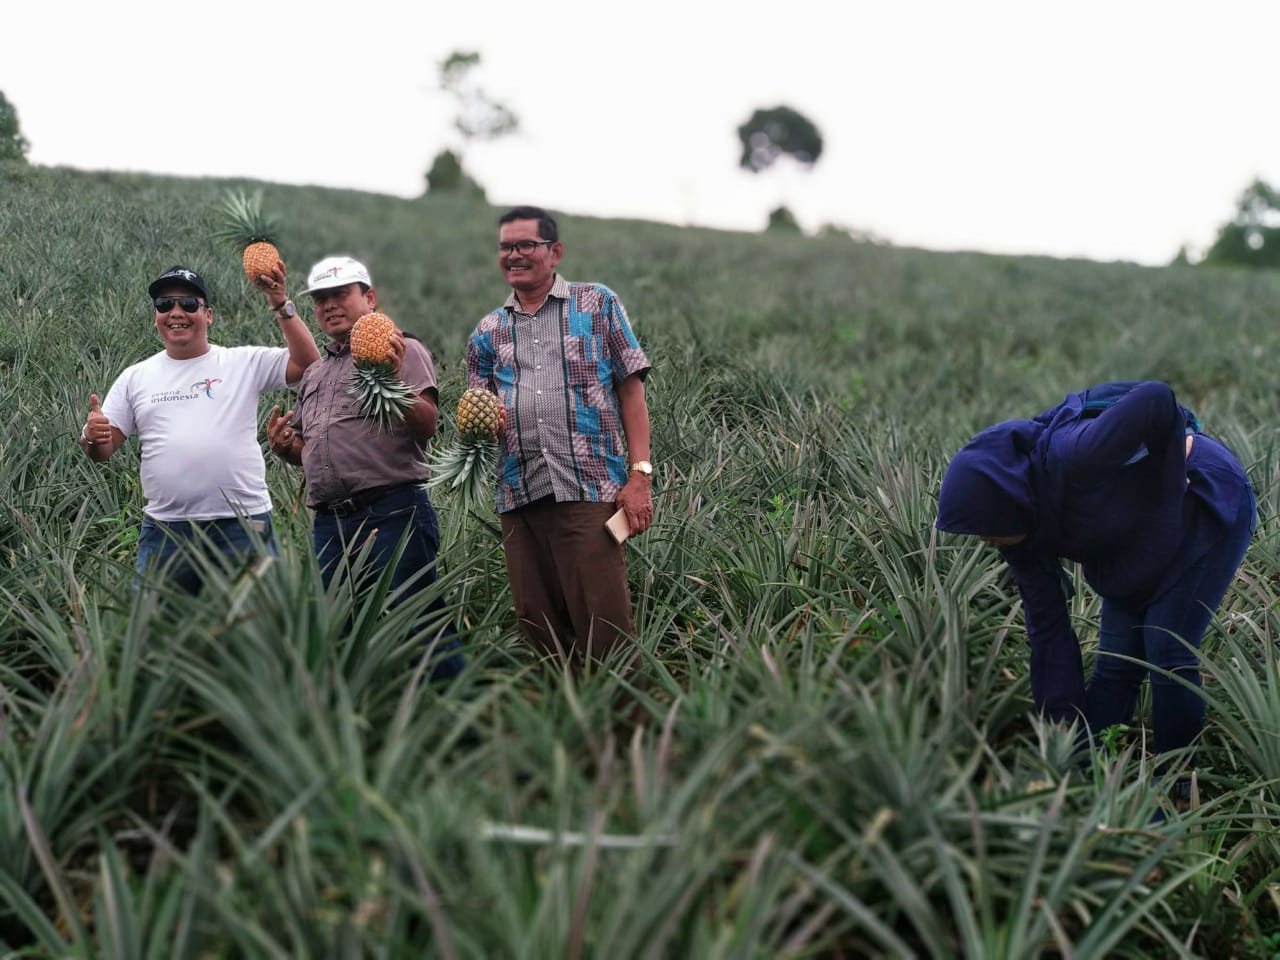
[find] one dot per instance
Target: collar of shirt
(559, 290)
(336, 348)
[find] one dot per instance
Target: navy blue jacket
(1112, 489)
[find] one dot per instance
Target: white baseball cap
(336, 272)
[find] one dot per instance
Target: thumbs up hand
(97, 428)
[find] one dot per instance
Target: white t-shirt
(197, 421)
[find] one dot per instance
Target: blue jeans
(161, 542)
(387, 520)
(1167, 636)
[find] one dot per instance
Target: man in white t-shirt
(194, 408)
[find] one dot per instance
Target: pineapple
(247, 229)
(477, 419)
(467, 465)
(383, 396)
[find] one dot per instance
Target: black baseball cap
(182, 275)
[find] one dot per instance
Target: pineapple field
(824, 747)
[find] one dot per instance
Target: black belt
(361, 500)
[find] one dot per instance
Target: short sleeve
(418, 369)
(117, 406)
(267, 366)
(623, 347)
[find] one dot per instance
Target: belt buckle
(342, 507)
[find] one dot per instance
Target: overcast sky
(1108, 129)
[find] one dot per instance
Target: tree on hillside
(839, 231)
(13, 145)
(779, 134)
(782, 220)
(447, 176)
(775, 133)
(478, 117)
(1252, 238)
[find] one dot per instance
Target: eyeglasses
(523, 247)
(188, 304)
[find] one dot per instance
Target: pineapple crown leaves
(244, 222)
(468, 470)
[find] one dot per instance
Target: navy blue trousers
(387, 520)
(160, 543)
(1167, 636)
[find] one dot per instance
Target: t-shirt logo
(206, 385)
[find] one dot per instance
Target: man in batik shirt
(569, 372)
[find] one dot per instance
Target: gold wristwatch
(642, 466)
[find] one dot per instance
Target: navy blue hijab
(988, 490)
(999, 484)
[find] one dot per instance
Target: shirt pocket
(585, 363)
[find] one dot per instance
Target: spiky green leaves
(244, 221)
(382, 395)
(465, 468)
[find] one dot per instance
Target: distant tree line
(477, 117)
(773, 134)
(1252, 237)
(13, 145)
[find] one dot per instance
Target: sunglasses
(188, 304)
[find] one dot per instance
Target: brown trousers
(568, 578)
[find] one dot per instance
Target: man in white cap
(362, 481)
(194, 408)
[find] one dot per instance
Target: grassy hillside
(833, 753)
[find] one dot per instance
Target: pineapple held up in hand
(383, 396)
(250, 232)
(468, 463)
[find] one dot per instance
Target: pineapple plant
(383, 396)
(251, 232)
(466, 466)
